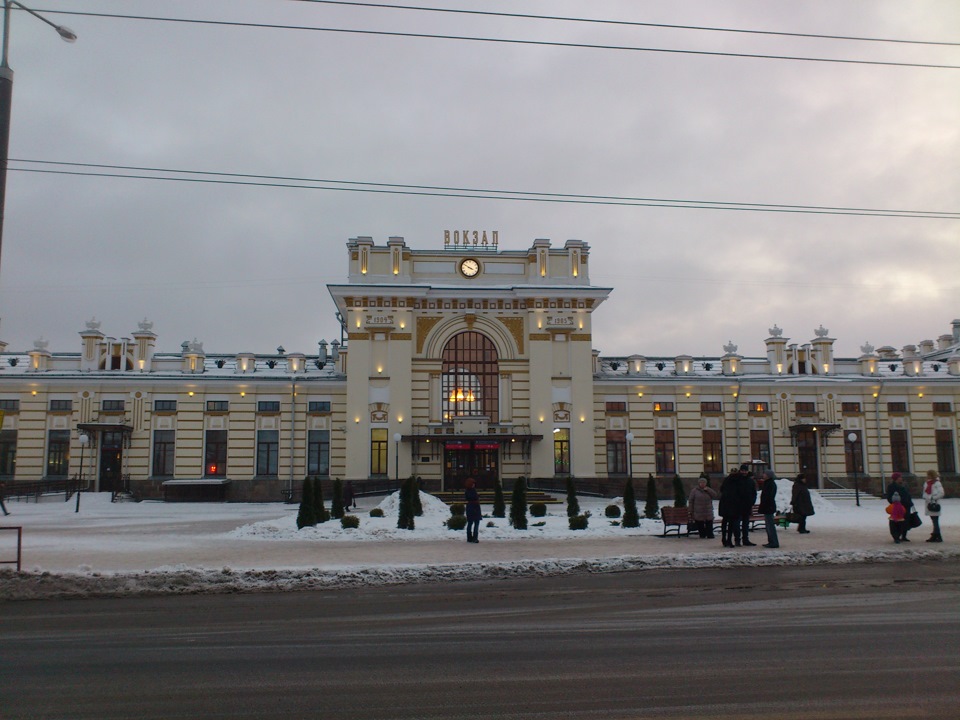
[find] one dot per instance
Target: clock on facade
(469, 267)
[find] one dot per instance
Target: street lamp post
(852, 439)
(84, 440)
(629, 456)
(6, 94)
(397, 437)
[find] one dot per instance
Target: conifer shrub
(573, 505)
(518, 504)
(405, 513)
(631, 518)
(652, 509)
(679, 496)
(376, 512)
(612, 511)
(320, 510)
(349, 522)
(457, 522)
(499, 505)
(336, 504)
(415, 496)
(538, 509)
(579, 522)
(306, 516)
(458, 509)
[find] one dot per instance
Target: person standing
(729, 522)
(932, 494)
(737, 495)
(746, 499)
(472, 499)
(768, 508)
(349, 496)
(801, 502)
(898, 514)
(899, 487)
(700, 505)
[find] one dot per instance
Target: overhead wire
(303, 183)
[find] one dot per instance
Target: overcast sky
(245, 268)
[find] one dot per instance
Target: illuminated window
(378, 451)
(713, 451)
(664, 450)
(215, 454)
(561, 451)
(471, 377)
(761, 407)
(662, 407)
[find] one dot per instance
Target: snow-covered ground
(164, 548)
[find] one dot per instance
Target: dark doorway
(111, 461)
(477, 459)
(807, 441)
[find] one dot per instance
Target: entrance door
(807, 456)
(111, 461)
(477, 460)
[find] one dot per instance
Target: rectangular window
(943, 407)
(853, 452)
(664, 450)
(58, 453)
(318, 406)
(899, 451)
(946, 452)
(806, 408)
(8, 453)
(850, 408)
(164, 444)
(561, 451)
(318, 453)
(268, 406)
(268, 452)
(617, 406)
(215, 454)
(10, 405)
(896, 407)
(616, 452)
(218, 405)
(711, 407)
(164, 405)
(713, 451)
(662, 407)
(61, 405)
(112, 406)
(760, 446)
(378, 452)
(761, 407)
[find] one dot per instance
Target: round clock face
(469, 267)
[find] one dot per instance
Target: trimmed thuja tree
(415, 496)
(306, 516)
(573, 505)
(518, 504)
(499, 505)
(652, 508)
(319, 509)
(336, 503)
(679, 496)
(405, 507)
(631, 518)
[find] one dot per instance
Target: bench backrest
(675, 515)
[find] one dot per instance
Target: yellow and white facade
(467, 360)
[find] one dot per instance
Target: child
(898, 517)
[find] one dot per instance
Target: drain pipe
(883, 471)
(293, 433)
(737, 412)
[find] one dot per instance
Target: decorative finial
(821, 332)
(775, 331)
(867, 349)
(93, 324)
(145, 326)
(730, 348)
(40, 344)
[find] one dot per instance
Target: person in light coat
(700, 505)
(933, 493)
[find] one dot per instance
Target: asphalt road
(848, 641)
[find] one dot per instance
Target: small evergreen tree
(306, 515)
(405, 507)
(573, 505)
(652, 508)
(518, 504)
(679, 496)
(417, 504)
(319, 509)
(499, 505)
(631, 518)
(336, 503)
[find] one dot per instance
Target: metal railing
(19, 531)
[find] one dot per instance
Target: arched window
(471, 377)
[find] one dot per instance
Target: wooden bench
(676, 520)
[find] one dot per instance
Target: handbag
(933, 506)
(915, 519)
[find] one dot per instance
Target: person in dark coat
(472, 499)
(349, 496)
(768, 508)
(801, 502)
(737, 495)
(898, 486)
(700, 505)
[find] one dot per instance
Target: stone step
(487, 497)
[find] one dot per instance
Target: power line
(509, 41)
(631, 23)
(277, 181)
